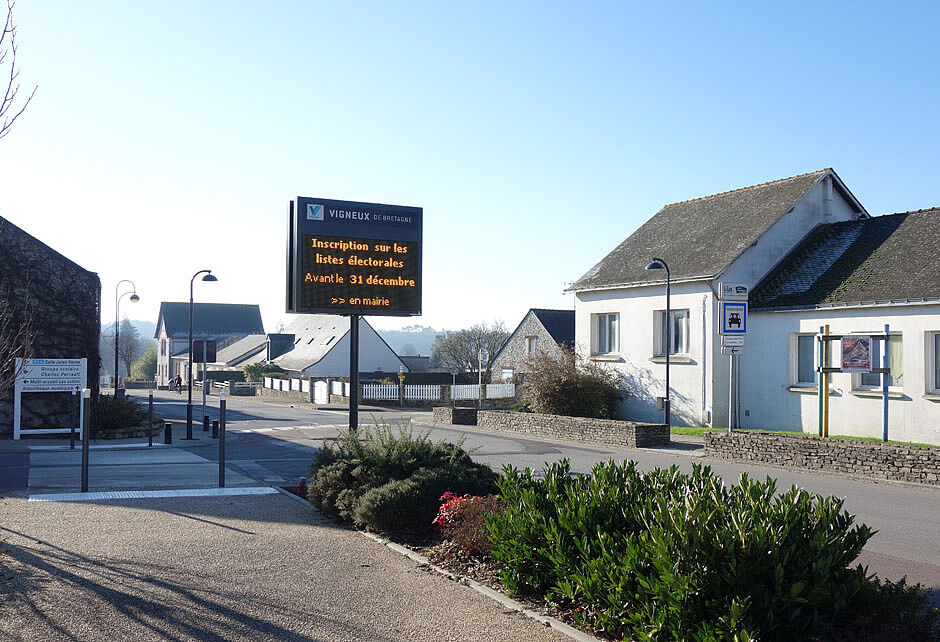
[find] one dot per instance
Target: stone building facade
(540, 330)
(64, 302)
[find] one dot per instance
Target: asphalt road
(273, 442)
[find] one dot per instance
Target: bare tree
(10, 106)
(459, 350)
(128, 345)
(16, 334)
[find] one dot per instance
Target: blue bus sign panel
(348, 257)
(733, 317)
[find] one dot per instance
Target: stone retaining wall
(915, 464)
(599, 431)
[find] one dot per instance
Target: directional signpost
(733, 328)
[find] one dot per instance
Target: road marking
(78, 446)
(280, 428)
(148, 494)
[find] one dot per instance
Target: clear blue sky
(536, 136)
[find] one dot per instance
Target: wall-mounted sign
(732, 291)
(856, 353)
(346, 257)
(733, 317)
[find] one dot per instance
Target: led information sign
(347, 257)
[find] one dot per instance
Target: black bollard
(215, 429)
(205, 423)
(150, 420)
(168, 433)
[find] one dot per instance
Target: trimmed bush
(115, 413)
(572, 387)
(667, 556)
(462, 521)
(384, 480)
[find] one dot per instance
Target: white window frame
(857, 377)
(659, 321)
(530, 343)
(596, 325)
(795, 360)
(932, 354)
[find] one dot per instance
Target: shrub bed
(380, 480)
(667, 556)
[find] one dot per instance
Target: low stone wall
(292, 394)
(915, 464)
(458, 416)
(598, 431)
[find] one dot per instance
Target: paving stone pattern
(914, 464)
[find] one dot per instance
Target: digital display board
(347, 257)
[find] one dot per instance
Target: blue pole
(884, 388)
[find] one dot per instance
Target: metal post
(76, 416)
(86, 435)
(820, 360)
(205, 380)
(222, 439)
(666, 405)
(150, 419)
(731, 393)
(886, 364)
(826, 357)
(354, 372)
(168, 433)
(215, 428)
(479, 382)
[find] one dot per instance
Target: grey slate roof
(558, 323)
(883, 259)
(236, 353)
(209, 319)
(699, 238)
(314, 336)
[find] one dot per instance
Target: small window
(805, 370)
(530, 346)
(871, 380)
(605, 333)
(934, 375)
(674, 338)
(329, 340)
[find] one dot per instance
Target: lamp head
(209, 277)
(134, 298)
(655, 265)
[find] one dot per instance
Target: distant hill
(106, 343)
(410, 340)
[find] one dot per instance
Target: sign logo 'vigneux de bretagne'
(314, 212)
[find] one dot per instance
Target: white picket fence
(464, 391)
(500, 390)
(379, 391)
(425, 392)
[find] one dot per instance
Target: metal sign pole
(886, 364)
(150, 419)
(731, 399)
(354, 372)
(205, 380)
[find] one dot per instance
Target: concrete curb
(482, 589)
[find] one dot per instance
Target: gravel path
(234, 568)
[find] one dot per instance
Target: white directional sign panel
(733, 317)
(732, 340)
(52, 375)
(732, 350)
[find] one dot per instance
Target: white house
(222, 322)
(321, 348)
(811, 255)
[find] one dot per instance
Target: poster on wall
(856, 353)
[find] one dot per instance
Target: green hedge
(664, 555)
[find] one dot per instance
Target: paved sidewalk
(230, 568)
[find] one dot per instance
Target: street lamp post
(659, 264)
(189, 372)
(117, 324)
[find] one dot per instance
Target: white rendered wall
(644, 374)
(374, 355)
(768, 401)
